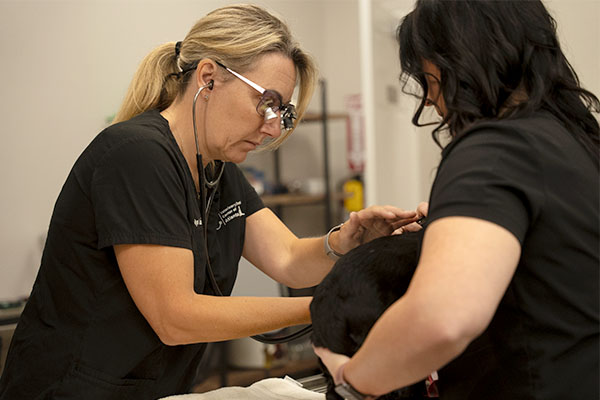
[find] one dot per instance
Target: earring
(205, 97)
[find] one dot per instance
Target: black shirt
(81, 335)
(532, 177)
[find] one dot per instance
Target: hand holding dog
(422, 210)
(374, 222)
(332, 361)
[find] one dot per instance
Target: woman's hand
(422, 210)
(332, 361)
(374, 222)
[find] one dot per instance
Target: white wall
(66, 65)
(65, 68)
(578, 24)
(400, 153)
(403, 159)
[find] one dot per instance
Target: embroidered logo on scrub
(230, 212)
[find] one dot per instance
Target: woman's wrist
(345, 389)
(339, 376)
(305, 317)
(330, 243)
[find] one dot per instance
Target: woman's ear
(206, 73)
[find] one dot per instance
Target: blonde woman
(144, 243)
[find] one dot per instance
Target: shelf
(318, 117)
(278, 202)
(11, 315)
(287, 199)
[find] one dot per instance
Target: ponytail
(154, 85)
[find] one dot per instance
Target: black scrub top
(532, 177)
(81, 335)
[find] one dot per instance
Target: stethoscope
(206, 185)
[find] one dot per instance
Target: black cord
(274, 338)
(270, 338)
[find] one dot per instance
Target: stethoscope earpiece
(210, 84)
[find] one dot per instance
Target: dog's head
(360, 287)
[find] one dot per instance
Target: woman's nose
(272, 123)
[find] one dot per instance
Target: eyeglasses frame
(287, 111)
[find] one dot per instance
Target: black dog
(359, 288)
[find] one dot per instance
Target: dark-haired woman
(504, 301)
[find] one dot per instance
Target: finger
(328, 356)
(320, 351)
(351, 232)
(403, 222)
(386, 212)
(332, 361)
(352, 224)
(414, 227)
(423, 208)
(377, 227)
(400, 213)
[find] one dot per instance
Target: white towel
(266, 389)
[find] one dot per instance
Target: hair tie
(177, 52)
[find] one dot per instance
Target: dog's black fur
(361, 285)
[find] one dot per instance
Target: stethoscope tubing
(204, 186)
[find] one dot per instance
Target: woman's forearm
(465, 267)
(381, 365)
(308, 263)
(202, 318)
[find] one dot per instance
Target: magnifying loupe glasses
(270, 103)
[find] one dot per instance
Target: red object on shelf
(355, 133)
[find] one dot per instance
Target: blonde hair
(234, 35)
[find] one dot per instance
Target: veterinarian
(504, 301)
(155, 215)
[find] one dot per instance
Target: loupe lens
(270, 99)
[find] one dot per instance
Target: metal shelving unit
(278, 201)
